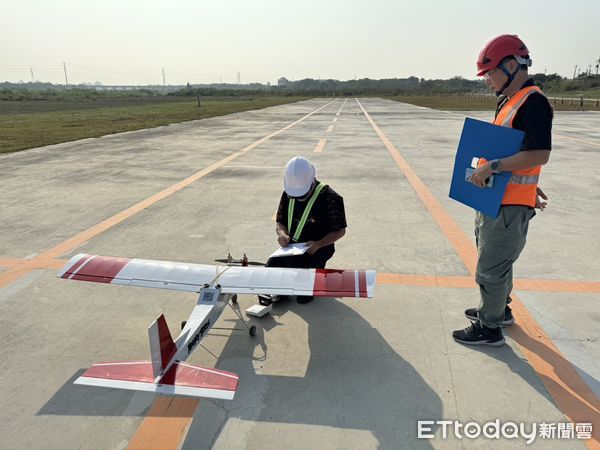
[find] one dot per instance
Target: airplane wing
(234, 280)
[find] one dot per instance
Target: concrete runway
(330, 374)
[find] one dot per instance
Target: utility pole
(238, 77)
(163, 73)
(597, 65)
(65, 69)
(589, 69)
(574, 71)
(31, 70)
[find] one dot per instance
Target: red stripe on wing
(335, 283)
(101, 269)
(362, 283)
(76, 266)
(178, 375)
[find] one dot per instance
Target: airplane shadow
(354, 380)
(76, 400)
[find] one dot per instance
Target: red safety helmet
(503, 46)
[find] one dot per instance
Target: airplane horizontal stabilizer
(181, 379)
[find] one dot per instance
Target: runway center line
(320, 146)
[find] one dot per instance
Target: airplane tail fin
(162, 347)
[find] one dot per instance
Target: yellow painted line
(166, 424)
(320, 146)
(572, 395)
(68, 245)
(330, 128)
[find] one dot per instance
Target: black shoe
(304, 299)
(477, 334)
(265, 299)
(471, 314)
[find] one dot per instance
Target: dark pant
(499, 244)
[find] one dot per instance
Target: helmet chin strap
(511, 77)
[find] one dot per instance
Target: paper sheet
(291, 250)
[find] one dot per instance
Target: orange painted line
(166, 424)
(590, 287)
(572, 395)
(320, 146)
(330, 128)
(68, 245)
(461, 243)
(425, 280)
(33, 263)
(557, 285)
(573, 286)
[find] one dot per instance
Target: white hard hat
(299, 176)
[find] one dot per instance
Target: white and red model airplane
(167, 372)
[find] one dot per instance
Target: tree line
(552, 83)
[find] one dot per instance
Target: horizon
(232, 42)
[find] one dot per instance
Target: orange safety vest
(522, 187)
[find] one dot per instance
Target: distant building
(283, 81)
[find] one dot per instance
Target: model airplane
(167, 372)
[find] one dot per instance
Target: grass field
(29, 124)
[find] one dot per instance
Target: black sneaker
(304, 299)
(265, 299)
(477, 334)
(471, 314)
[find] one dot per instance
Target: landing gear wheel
(183, 322)
(234, 299)
(253, 330)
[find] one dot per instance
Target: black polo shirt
(534, 117)
(327, 215)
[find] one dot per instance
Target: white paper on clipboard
(291, 250)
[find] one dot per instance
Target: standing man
(522, 105)
(309, 211)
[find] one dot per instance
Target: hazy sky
(204, 41)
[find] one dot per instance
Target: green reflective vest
(305, 214)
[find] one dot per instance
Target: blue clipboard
(483, 140)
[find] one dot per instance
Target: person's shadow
(354, 380)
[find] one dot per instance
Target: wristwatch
(496, 166)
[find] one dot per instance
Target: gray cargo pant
(499, 244)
